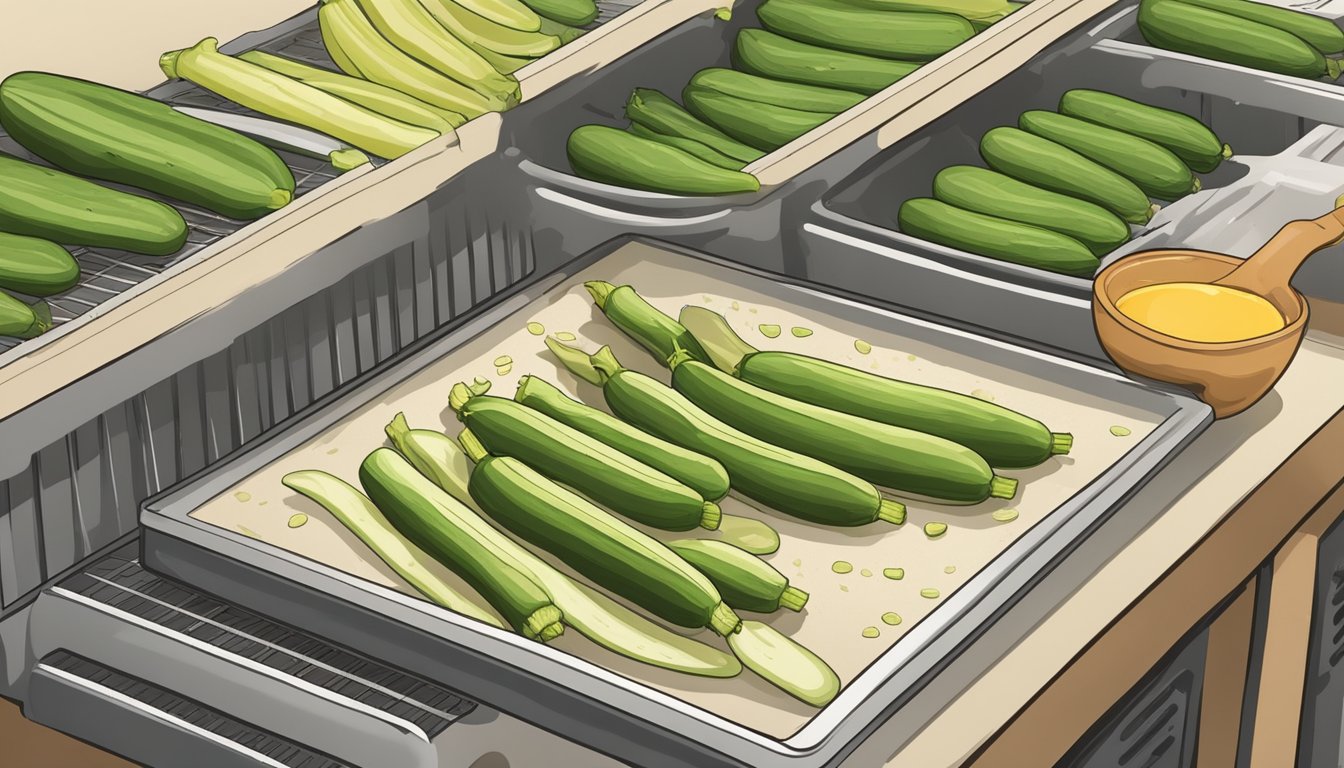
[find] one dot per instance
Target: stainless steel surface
(149, 724)
(242, 670)
(851, 239)
(615, 714)
(276, 135)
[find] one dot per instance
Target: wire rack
(106, 274)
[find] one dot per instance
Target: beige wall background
(118, 43)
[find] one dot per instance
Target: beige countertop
(1192, 496)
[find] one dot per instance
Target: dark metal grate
(255, 740)
(119, 581)
(1323, 709)
(109, 273)
(1155, 724)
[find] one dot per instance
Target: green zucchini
(1186, 28)
(378, 98)
(883, 454)
(785, 663)
(271, 93)
(575, 13)
(609, 477)
(809, 98)
(766, 127)
(1050, 165)
(613, 554)
(997, 238)
(612, 156)
(790, 482)
(994, 194)
(892, 457)
(596, 616)
(655, 331)
(745, 581)
(1321, 33)
(748, 534)
(1152, 167)
(769, 55)
(43, 202)
(656, 111)
(984, 12)
(689, 146)
(35, 266)
(123, 137)
(23, 321)
(442, 526)
(904, 35)
(1191, 140)
(409, 26)
(1003, 437)
(702, 474)
(359, 515)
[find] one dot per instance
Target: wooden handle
(1273, 266)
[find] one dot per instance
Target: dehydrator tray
(226, 531)
(851, 237)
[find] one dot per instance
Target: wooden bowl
(1229, 376)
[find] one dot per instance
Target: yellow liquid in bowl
(1201, 312)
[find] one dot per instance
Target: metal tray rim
(897, 673)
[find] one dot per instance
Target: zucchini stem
(397, 429)
(1002, 487)
(41, 320)
(793, 598)
(712, 516)
(458, 397)
(168, 63)
(472, 446)
(891, 511)
(1227, 151)
(544, 624)
(724, 621)
(1060, 443)
(576, 361)
(604, 360)
(725, 348)
(347, 159)
(599, 290)
(678, 357)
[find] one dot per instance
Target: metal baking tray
(225, 530)
(851, 235)
(667, 64)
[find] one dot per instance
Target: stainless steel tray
(791, 177)
(851, 239)
(196, 533)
